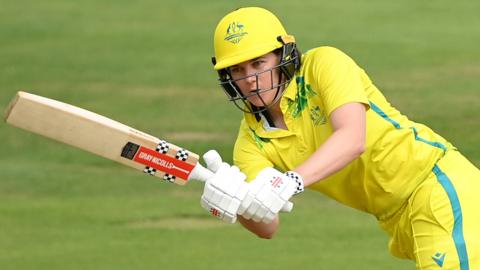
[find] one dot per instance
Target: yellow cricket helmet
(247, 33)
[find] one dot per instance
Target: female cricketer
(316, 120)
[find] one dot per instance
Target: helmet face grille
(289, 64)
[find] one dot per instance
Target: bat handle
(202, 174)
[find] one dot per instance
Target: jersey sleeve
(338, 79)
(247, 154)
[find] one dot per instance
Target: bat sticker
(175, 166)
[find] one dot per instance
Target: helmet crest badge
(235, 32)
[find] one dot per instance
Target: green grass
(139, 62)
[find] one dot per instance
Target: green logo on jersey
(318, 116)
(304, 92)
(259, 140)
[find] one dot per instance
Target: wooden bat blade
(103, 136)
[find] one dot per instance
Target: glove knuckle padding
(247, 215)
(252, 209)
(261, 212)
(269, 217)
(256, 218)
(233, 206)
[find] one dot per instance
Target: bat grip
(202, 174)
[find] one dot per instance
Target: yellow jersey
(399, 153)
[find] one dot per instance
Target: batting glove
(223, 192)
(268, 193)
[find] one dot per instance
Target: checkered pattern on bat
(162, 147)
(182, 154)
(149, 170)
(169, 178)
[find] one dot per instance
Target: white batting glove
(268, 193)
(223, 192)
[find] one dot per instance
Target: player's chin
(257, 102)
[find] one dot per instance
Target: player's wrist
(297, 178)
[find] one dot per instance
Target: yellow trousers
(439, 227)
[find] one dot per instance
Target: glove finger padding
(253, 189)
(269, 217)
(224, 192)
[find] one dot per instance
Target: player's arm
(260, 229)
(346, 143)
(344, 99)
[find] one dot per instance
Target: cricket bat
(105, 137)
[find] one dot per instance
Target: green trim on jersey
(259, 140)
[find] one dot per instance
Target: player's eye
(234, 70)
(258, 63)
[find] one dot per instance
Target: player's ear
(225, 81)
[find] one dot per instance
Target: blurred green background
(147, 63)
